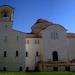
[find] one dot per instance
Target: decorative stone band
(70, 35)
(56, 64)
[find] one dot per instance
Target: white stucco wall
(63, 45)
(71, 48)
(11, 45)
(32, 48)
(49, 45)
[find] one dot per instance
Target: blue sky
(28, 11)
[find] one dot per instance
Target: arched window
(37, 54)
(5, 53)
(5, 14)
(26, 54)
(17, 53)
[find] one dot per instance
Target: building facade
(12, 44)
(47, 48)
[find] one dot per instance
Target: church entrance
(55, 55)
(55, 58)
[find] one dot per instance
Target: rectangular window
(56, 35)
(5, 53)
(35, 41)
(27, 41)
(5, 27)
(17, 36)
(26, 54)
(51, 35)
(16, 53)
(38, 41)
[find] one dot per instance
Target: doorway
(27, 69)
(55, 68)
(55, 58)
(67, 68)
(20, 68)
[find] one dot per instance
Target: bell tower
(6, 13)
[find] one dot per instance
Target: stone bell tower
(6, 16)
(6, 13)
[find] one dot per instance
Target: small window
(37, 54)
(35, 41)
(20, 68)
(38, 41)
(51, 35)
(16, 53)
(5, 53)
(27, 41)
(54, 35)
(17, 37)
(4, 68)
(26, 54)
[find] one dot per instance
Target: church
(48, 47)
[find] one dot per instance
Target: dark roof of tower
(6, 6)
(42, 21)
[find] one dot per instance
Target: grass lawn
(37, 73)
